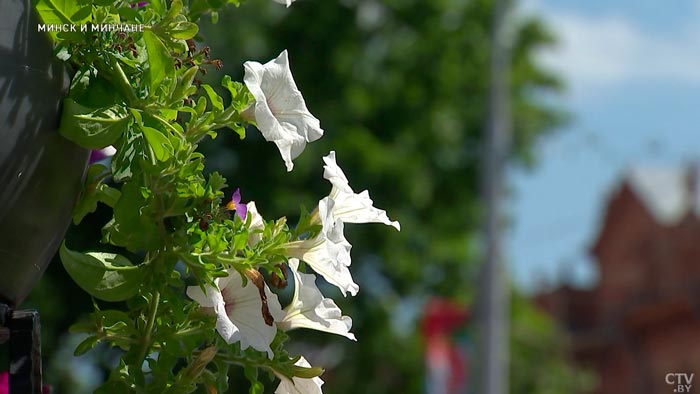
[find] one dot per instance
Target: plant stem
(189, 331)
(153, 310)
(122, 82)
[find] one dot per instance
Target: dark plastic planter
(40, 171)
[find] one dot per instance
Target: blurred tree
(540, 361)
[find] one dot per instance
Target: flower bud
(307, 373)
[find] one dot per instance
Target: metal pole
(494, 303)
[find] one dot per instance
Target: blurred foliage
(539, 358)
(400, 87)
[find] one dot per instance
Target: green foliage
(539, 355)
(63, 11)
(169, 226)
(106, 276)
(93, 128)
(95, 191)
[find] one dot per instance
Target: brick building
(642, 319)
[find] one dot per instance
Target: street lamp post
(494, 293)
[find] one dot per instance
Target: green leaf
(133, 225)
(105, 276)
(125, 158)
(158, 6)
(59, 12)
(241, 98)
(82, 14)
(216, 101)
(159, 60)
(108, 195)
(175, 9)
(201, 105)
(159, 143)
(183, 30)
(93, 128)
(56, 12)
(94, 191)
(184, 85)
(238, 128)
(90, 90)
(86, 345)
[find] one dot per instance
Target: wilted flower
(238, 311)
(279, 110)
(299, 385)
(310, 309)
(328, 253)
(349, 206)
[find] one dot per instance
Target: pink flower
(236, 205)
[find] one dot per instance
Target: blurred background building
(641, 321)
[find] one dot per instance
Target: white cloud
(613, 50)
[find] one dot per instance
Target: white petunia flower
(287, 2)
(238, 311)
(299, 385)
(309, 309)
(256, 223)
(328, 253)
(279, 110)
(349, 206)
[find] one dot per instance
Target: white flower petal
(309, 309)
(245, 311)
(208, 300)
(273, 304)
(238, 311)
(226, 328)
(280, 109)
(329, 252)
(349, 206)
(287, 2)
(359, 208)
(214, 301)
(334, 174)
(338, 246)
(256, 223)
(326, 258)
(299, 385)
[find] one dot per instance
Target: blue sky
(633, 74)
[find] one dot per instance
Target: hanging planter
(40, 171)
